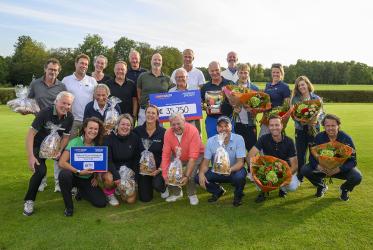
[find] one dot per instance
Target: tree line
(30, 55)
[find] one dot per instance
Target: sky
(262, 31)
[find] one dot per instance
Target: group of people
(80, 102)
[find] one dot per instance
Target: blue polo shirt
(235, 148)
(278, 93)
(342, 137)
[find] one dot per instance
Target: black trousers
(92, 194)
(36, 178)
(248, 133)
(302, 142)
(352, 177)
(147, 184)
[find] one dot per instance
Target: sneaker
(42, 185)
(215, 197)
(193, 200)
(174, 198)
(165, 194)
(68, 212)
(113, 201)
(321, 191)
(282, 193)
(28, 208)
(57, 188)
(74, 191)
(261, 197)
(344, 195)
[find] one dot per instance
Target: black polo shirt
(105, 79)
(125, 93)
(157, 144)
(133, 74)
(44, 117)
(284, 149)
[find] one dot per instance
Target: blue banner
(186, 102)
(93, 158)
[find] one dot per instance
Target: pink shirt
(191, 146)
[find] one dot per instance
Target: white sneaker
(28, 208)
(112, 200)
(43, 184)
(165, 194)
(74, 191)
(57, 188)
(174, 198)
(193, 200)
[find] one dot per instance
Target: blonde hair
(296, 85)
(243, 67)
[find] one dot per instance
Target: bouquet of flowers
(213, 101)
(127, 186)
(306, 113)
(112, 114)
(50, 146)
(234, 92)
(147, 161)
(221, 163)
(283, 112)
(269, 172)
(175, 170)
(22, 104)
(332, 155)
(258, 101)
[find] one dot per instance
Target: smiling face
(232, 59)
(156, 62)
(331, 127)
(91, 131)
(303, 88)
(177, 125)
(124, 127)
(276, 74)
(63, 105)
(101, 96)
(275, 127)
(243, 75)
(181, 79)
(188, 58)
(81, 66)
(224, 127)
(151, 115)
(134, 60)
(51, 72)
(120, 71)
(214, 71)
(100, 64)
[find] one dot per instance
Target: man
(182, 81)
(81, 86)
(316, 172)
(231, 72)
(280, 146)
(195, 76)
(150, 83)
(44, 90)
(215, 84)
(186, 136)
(58, 114)
(124, 89)
(134, 70)
(235, 146)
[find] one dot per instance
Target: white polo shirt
(195, 78)
(83, 92)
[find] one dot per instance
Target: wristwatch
(77, 172)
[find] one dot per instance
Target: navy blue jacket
(342, 137)
(89, 111)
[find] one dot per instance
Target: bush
(6, 94)
(362, 96)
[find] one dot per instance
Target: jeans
(238, 179)
(211, 123)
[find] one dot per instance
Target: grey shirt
(43, 94)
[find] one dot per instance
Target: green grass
(299, 221)
(261, 85)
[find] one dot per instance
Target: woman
(100, 64)
(91, 135)
(152, 131)
(123, 150)
(278, 91)
(303, 91)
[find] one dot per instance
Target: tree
(92, 46)
(172, 59)
(4, 63)
(122, 48)
(66, 56)
(27, 61)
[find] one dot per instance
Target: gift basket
(332, 155)
(22, 104)
(213, 101)
(221, 163)
(147, 161)
(269, 172)
(175, 170)
(112, 114)
(127, 186)
(51, 145)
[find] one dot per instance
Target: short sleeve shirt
(195, 78)
(235, 148)
(151, 84)
(284, 149)
(125, 93)
(278, 93)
